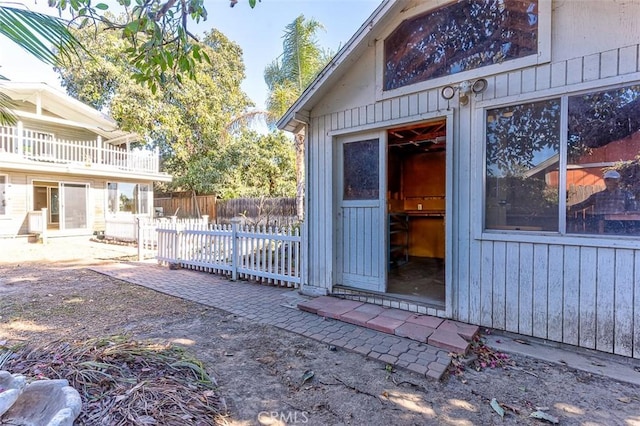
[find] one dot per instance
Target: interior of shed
(416, 187)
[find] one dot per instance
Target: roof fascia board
(24, 92)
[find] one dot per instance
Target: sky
(257, 31)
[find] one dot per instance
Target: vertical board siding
(571, 296)
(581, 296)
(587, 300)
(360, 242)
(604, 299)
(623, 312)
(525, 289)
(555, 301)
(499, 285)
(486, 282)
(512, 293)
(584, 296)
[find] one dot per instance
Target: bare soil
(260, 369)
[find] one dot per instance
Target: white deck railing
(268, 255)
(37, 146)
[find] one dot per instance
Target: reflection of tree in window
(603, 134)
(522, 150)
(601, 126)
(459, 37)
(361, 170)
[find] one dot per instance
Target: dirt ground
(259, 369)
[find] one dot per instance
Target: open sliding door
(360, 213)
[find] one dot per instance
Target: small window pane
(143, 199)
(603, 169)
(126, 194)
(522, 167)
(112, 199)
(361, 170)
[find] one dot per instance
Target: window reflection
(459, 37)
(522, 160)
(603, 173)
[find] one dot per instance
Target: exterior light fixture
(464, 89)
(479, 86)
(448, 92)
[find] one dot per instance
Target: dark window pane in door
(361, 170)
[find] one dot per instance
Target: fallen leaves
(126, 382)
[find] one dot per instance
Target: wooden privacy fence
(269, 255)
(256, 211)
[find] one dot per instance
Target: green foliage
(265, 165)
(161, 47)
(185, 120)
(188, 120)
(301, 60)
(33, 31)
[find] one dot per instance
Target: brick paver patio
(396, 337)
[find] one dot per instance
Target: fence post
(234, 248)
(178, 244)
(140, 239)
(205, 219)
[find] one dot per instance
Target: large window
(525, 157)
(523, 143)
(128, 198)
(459, 37)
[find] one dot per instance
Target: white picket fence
(127, 227)
(269, 255)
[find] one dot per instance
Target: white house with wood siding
(70, 160)
(447, 144)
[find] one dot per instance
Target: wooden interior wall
(419, 179)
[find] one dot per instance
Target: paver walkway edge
(278, 307)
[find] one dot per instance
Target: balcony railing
(38, 146)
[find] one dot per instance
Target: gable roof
(298, 114)
(72, 111)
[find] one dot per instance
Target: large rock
(45, 403)
(11, 386)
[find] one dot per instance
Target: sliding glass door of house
(73, 213)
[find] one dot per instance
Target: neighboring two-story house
(72, 161)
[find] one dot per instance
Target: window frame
(478, 164)
(138, 204)
(543, 55)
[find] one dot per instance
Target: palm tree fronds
(7, 118)
(31, 29)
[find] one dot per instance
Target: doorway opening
(416, 188)
(46, 195)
